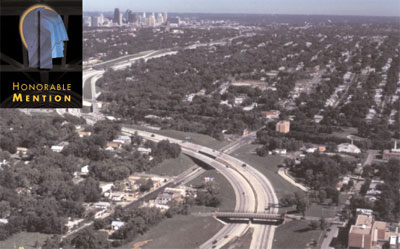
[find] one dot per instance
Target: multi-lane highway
(253, 191)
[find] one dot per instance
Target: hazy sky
(334, 7)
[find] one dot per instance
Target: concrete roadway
(258, 197)
(245, 198)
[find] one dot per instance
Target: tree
(288, 200)
(51, 243)
(322, 223)
(145, 185)
(99, 224)
(314, 225)
(91, 190)
(90, 239)
(322, 196)
(302, 203)
(5, 209)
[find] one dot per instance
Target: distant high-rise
(101, 19)
(120, 19)
(160, 18)
(134, 18)
(165, 16)
(87, 21)
(130, 17)
(94, 21)
(144, 19)
(152, 20)
(117, 16)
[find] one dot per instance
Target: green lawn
(172, 167)
(188, 136)
(299, 233)
(346, 131)
(178, 232)
(266, 165)
(326, 210)
(24, 239)
(226, 192)
(195, 138)
(317, 210)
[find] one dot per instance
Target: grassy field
(226, 192)
(326, 210)
(172, 167)
(346, 132)
(188, 136)
(25, 240)
(178, 232)
(299, 233)
(268, 166)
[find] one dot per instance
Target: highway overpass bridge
(248, 216)
(253, 192)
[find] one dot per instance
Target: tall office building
(130, 17)
(87, 21)
(152, 20)
(94, 21)
(160, 19)
(144, 19)
(116, 16)
(134, 18)
(120, 19)
(165, 16)
(101, 19)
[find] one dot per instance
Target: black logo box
(14, 64)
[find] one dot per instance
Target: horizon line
(238, 13)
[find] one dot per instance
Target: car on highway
(226, 236)
(244, 165)
(152, 135)
(215, 242)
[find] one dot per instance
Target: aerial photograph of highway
(226, 124)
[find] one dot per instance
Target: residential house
(393, 153)
(348, 148)
(102, 205)
(273, 114)
(57, 148)
(116, 225)
(85, 170)
(83, 133)
(163, 198)
(144, 150)
(22, 150)
(113, 145)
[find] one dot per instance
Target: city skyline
(309, 7)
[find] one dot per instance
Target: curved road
(253, 191)
(259, 195)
